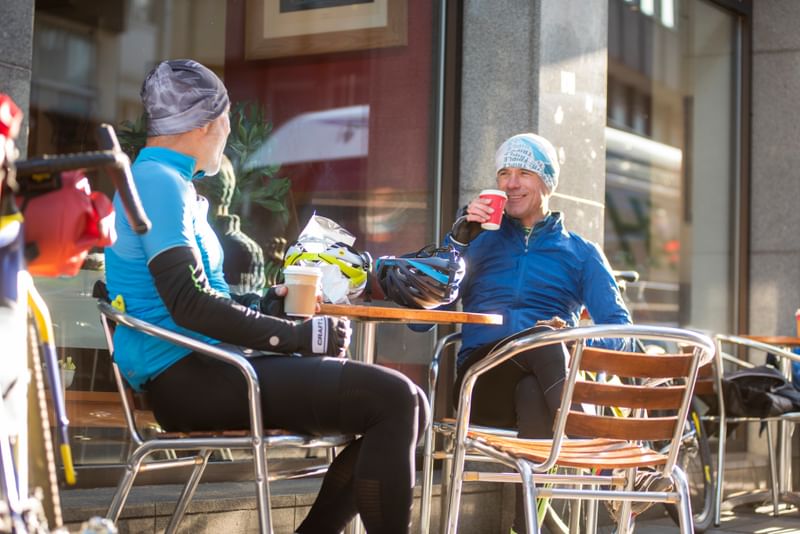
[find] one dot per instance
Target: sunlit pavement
(758, 521)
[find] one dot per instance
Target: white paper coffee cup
(302, 284)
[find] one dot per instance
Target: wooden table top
(407, 315)
(782, 341)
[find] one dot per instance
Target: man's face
(527, 194)
(215, 140)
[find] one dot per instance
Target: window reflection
(332, 134)
(345, 134)
(671, 142)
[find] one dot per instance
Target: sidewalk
(744, 520)
(230, 508)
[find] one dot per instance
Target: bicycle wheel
(695, 460)
(565, 517)
(43, 478)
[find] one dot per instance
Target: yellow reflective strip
(40, 312)
(118, 303)
(12, 218)
(69, 467)
(696, 420)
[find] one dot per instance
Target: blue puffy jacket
(550, 272)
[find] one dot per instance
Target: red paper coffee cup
(797, 321)
(498, 199)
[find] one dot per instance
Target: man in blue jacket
(537, 274)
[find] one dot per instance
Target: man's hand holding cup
(483, 213)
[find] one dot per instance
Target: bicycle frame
(18, 298)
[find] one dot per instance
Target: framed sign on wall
(283, 28)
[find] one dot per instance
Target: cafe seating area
(104, 413)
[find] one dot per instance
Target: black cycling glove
(464, 231)
(269, 304)
(272, 304)
(324, 336)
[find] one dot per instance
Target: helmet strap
(368, 288)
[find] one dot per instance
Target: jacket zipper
(521, 268)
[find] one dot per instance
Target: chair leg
(723, 430)
(529, 497)
(685, 504)
(427, 483)
(454, 491)
(625, 525)
(124, 487)
(575, 515)
(625, 517)
(591, 514)
(427, 465)
(262, 487)
(773, 472)
(188, 491)
(447, 472)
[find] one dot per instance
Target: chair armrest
(213, 351)
(756, 345)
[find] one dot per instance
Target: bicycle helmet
(425, 279)
(353, 265)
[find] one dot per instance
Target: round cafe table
(780, 341)
(367, 317)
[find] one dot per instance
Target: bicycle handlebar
(626, 276)
(111, 158)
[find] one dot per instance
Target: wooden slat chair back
(706, 384)
(202, 444)
(632, 368)
(650, 403)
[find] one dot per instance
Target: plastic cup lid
(494, 192)
(302, 269)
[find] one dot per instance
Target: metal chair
(611, 447)
(428, 456)
(255, 440)
(444, 430)
(712, 385)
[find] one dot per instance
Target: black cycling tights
(373, 476)
(522, 393)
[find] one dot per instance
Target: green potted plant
(67, 368)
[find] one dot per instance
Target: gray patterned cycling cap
(180, 95)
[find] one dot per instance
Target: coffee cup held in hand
(498, 202)
(302, 287)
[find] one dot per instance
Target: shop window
(346, 132)
(671, 177)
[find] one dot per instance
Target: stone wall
(16, 44)
(775, 169)
(537, 66)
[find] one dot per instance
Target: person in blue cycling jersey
(172, 276)
(537, 274)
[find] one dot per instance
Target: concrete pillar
(540, 66)
(775, 169)
(16, 57)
